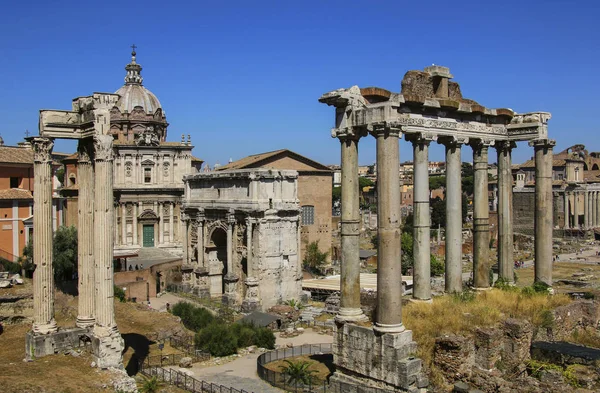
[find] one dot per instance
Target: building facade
(242, 237)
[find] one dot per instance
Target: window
(308, 215)
(14, 182)
(147, 175)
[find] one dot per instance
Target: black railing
(187, 346)
(184, 381)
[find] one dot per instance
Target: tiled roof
(15, 193)
(591, 175)
(256, 160)
(16, 155)
(556, 162)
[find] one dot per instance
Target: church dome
(133, 93)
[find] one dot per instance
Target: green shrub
(540, 287)
(465, 296)
(245, 333)
(437, 267)
(120, 294)
(192, 317)
(217, 339)
(264, 338)
(505, 285)
(8, 266)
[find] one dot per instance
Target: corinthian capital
(85, 151)
(504, 146)
(103, 147)
(42, 149)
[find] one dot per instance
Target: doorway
(148, 236)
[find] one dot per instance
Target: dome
(133, 95)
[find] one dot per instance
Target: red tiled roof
(16, 155)
(250, 161)
(15, 193)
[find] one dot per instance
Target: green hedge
(192, 317)
(221, 339)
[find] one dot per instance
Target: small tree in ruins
(314, 259)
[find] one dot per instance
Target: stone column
(251, 301)
(43, 276)
(124, 223)
(586, 209)
(481, 216)
(597, 209)
(389, 272)
(421, 221)
(575, 210)
(230, 222)
(135, 239)
(185, 219)
(161, 223)
(171, 224)
(230, 296)
(593, 209)
(200, 237)
(108, 343)
(505, 214)
(567, 218)
(350, 222)
(543, 209)
(453, 215)
(85, 235)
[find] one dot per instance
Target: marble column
(593, 209)
(421, 221)
(230, 222)
(43, 276)
(230, 297)
(567, 224)
(200, 237)
(597, 209)
(389, 272)
(171, 224)
(103, 236)
(135, 239)
(350, 230)
(481, 216)
(453, 215)
(251, 301)
(586, 209)
(123, 223)
(505, 212)
(85, 235)
(543, 209)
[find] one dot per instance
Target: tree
(467, 178)
(60, 175)
(26, 260)
(298, 372)
(407, 225)
(364, 182)
(436, 182)
(314, 258)
(408, 260)
(438, 212)
(336, 194)
(65, 253)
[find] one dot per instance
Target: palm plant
(151, 385)
(298, 372)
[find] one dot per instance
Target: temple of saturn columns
(89, 123)
(429, 108)
(242, 237)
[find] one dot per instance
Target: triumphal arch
(89, 123)
(429, 108)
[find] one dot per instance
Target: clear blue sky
(244, 77)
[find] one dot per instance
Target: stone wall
(524, 209)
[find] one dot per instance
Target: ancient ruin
(242, 235)
(429, 108)
(89, 123)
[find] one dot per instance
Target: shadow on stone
(325, 359)
(68, 287)
(141, 347)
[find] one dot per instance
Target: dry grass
(560, 270)
(448, 315)
(66, 374)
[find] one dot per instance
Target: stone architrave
(421, 214)
(85, 235)
(543, 209)
(107, 343)
(481, 215)
(453, 214)
(505, 212)
(389, 269)
(43, 276)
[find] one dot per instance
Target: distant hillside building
(314, 192)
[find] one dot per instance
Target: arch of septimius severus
(89, 123)
(429, 108)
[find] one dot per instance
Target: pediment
(148, 162)
(148, 215)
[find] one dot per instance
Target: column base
(85, 322)
(417, 301)
(108, 347)
(45, 328)
(39, 345)
(383, 328)
(350, 315)
(366, 360)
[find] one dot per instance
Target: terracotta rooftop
(556, 162)
(16, 155)
(15, 193)
(257, 160)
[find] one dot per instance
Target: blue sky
(244, 77)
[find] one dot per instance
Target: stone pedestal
(107, 347)
(230, 297)
(367, 360)
(252, 300)
(37, 345)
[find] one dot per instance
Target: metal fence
(187, 346)
(282, 380)
(185, 381)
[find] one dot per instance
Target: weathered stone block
(48, 344)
